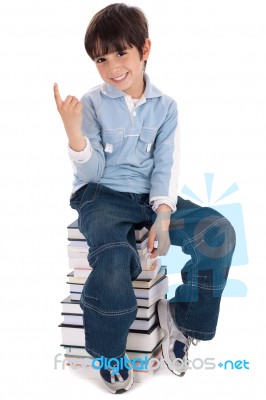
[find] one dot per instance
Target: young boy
(124, 144)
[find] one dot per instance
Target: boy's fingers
(151, 241)
(71, 101)
(79, 106)
(57, 96)
(74, 101)
(154, 254)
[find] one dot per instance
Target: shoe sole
(119, 391)
(163, 310)
(122, 390)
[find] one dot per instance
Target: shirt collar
(150, 90)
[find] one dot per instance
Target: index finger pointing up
(57, 96)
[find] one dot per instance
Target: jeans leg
(209, 239)
(106, 219)
(108, 300)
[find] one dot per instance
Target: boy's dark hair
(115, 28)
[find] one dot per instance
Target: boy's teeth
(120, 78)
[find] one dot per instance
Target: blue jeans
(107, 219)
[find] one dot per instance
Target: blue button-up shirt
(129, 149)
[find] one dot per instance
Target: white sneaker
(175, 344)
(117, 381)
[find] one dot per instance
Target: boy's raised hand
(70, 110)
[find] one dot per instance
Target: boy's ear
(146, 49)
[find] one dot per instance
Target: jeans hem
(190, 332)
(197, 335)
(96, 355)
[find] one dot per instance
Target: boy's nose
(114, 67)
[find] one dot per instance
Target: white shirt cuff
(156, 203)
(83, 155)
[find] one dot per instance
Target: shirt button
(134, 113)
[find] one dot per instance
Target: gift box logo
(233, 212)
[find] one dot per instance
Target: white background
(210, 56)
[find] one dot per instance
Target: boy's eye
(100, 60)
(121, 53)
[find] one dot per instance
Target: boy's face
(124, 70)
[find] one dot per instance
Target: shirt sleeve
(88, 164)
(83, 155)
(163, 200)
(164, 178)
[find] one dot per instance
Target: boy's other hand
(70, 110)
(160, 232)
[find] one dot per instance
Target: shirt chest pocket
(145, 144)
(112, 144)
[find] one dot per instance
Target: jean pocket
(76, 197)
(90, 194)
(145, 145)
(112, 143)
(84, 195)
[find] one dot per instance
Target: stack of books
(145, 335)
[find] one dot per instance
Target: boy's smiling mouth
(120, 78)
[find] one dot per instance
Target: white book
(152, 273)
(136, 340)
(140, 324)
(79, 260)
(73, 307)
(79, 244)
(76, 351)
(143, 251)
(77, 254)
(82, 272)
(152, 300)
(159, 286)
(75, 279)
(146, 312)
(144, 274)
(77, 276)
(77, 247)
(141, 294)
(76, 288)
(82, 251)
(142, 244)
(147, 262)
(148, 283)
(140, 302)
(87, 360)
(75, 296)
(140, 233)
(144, 324)
(75, 234)
(73, 319)
(82, 352)
(83, 244)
